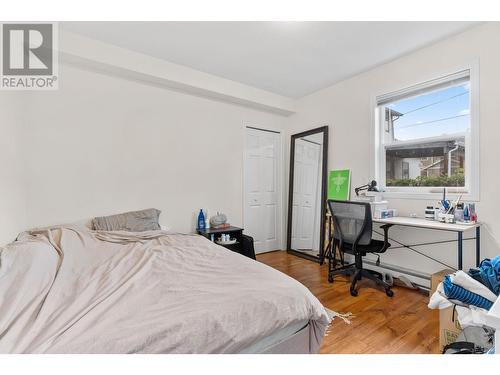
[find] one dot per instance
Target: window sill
(430, 195)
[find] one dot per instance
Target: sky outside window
(440, 112)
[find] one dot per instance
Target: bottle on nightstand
(201, 220)
(207, 220)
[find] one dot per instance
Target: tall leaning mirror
(307, 193)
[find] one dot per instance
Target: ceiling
(288, 58)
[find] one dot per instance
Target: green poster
(339, 184)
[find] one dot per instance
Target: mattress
(149, 292)
(276, 338)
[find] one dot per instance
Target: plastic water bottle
(201, 220)
(207, 220)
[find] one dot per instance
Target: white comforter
(68, 290)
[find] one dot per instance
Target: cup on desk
(459, 214)
(437, 211)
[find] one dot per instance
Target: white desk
(436, 225)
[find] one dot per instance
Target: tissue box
(384, 213)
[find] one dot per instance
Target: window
(424, 137)
(406, 170)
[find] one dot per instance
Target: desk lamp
(372, 186)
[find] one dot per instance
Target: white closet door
(262, 185)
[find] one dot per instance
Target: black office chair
(352, 234)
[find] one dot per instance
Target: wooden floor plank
(401, 324)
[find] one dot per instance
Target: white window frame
(472, 170)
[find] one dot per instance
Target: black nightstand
(243, 245)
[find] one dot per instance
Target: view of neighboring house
(435, 156)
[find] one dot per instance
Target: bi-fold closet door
(262, 189)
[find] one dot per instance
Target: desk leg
(328, 250)
(478, 246)
(460, 249)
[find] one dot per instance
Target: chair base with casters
(352, 235)
(357, 271)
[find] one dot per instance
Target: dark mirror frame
(321, 257)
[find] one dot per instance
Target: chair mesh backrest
(350, 217)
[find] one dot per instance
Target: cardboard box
(449, 327)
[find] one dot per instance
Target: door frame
(324, 168)
(281, 179)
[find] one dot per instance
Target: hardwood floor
(401, 324)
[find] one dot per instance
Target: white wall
(102, 144)
(346, 108)
(12, 183)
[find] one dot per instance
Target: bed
(68, 289)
